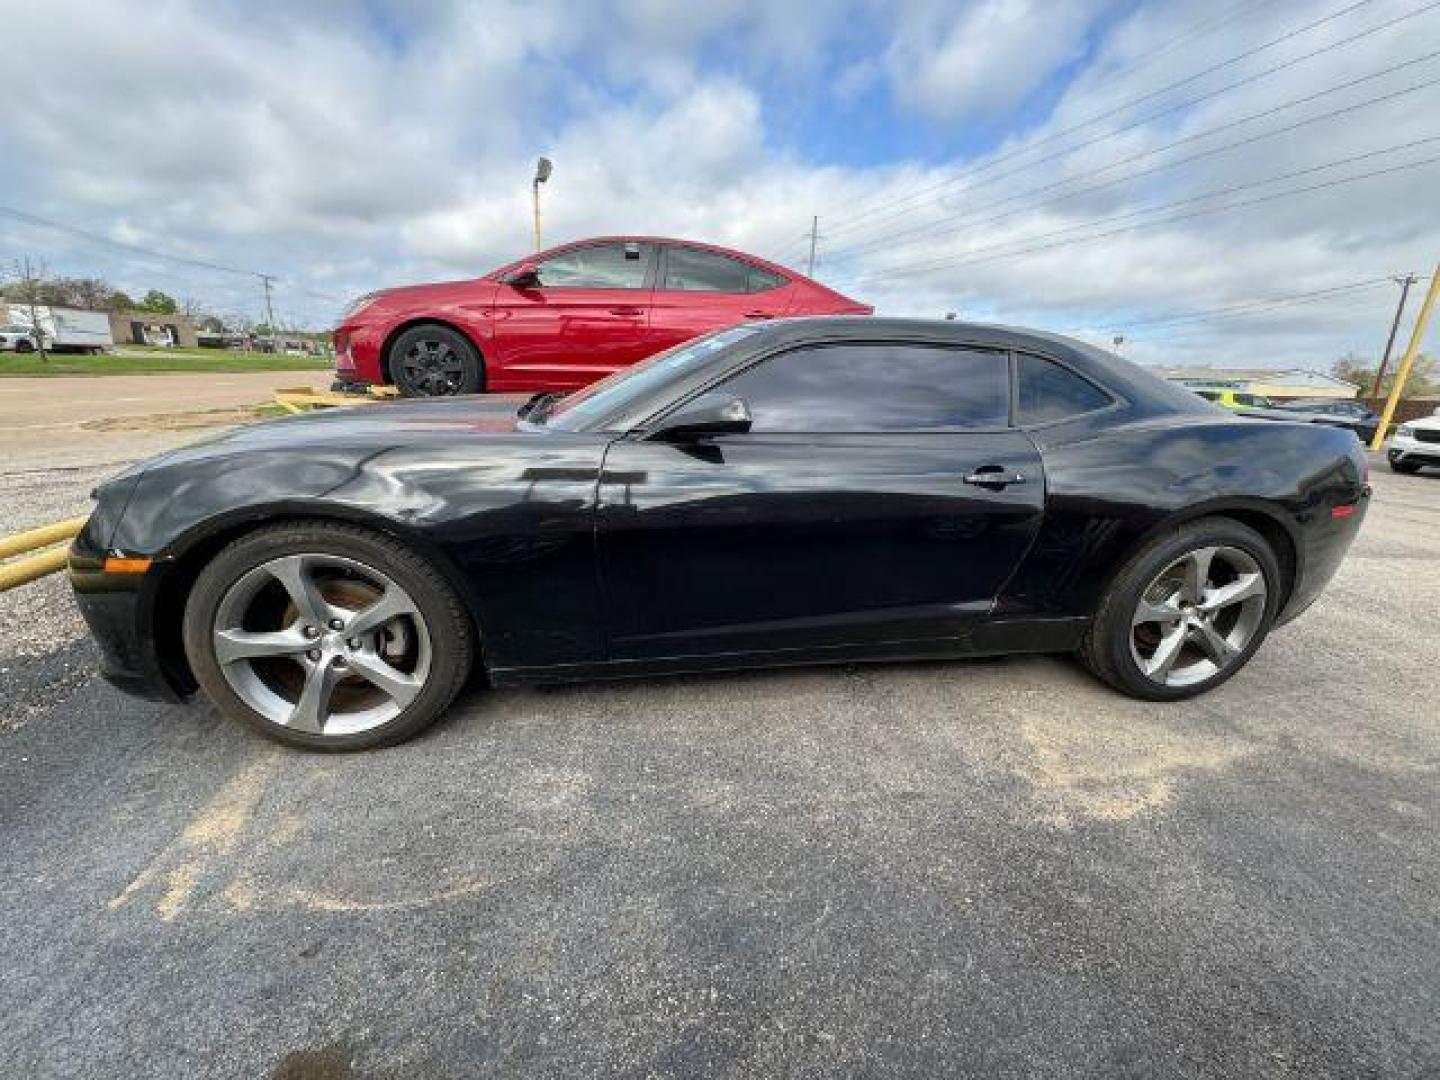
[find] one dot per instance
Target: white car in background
(17, 338)
(1415, 444)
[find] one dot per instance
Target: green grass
(155, 362)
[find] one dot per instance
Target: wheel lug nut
(339, 661)
(312, 631)
(313, 654)
(336, 624)
(354, 643)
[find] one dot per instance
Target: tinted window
(1209, 395)
(692, 270)
(631, 385)
(761, 280)
(876, 388)
(599, 266)
(1046, 392)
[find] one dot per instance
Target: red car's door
(586, 314)
(701, 290)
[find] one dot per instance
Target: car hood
(379, 425)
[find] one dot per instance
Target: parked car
(1233, 399)
(566, 317)
(17, 338)
(1415, 444)
(1260, 407)
(802, 491)
(1354, 415)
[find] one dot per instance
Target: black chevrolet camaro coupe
(795, 492)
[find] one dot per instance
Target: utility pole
(1417, 336)
(814, 237)
(1404, 283)
(266, 280)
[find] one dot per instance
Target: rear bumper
(1325, 543)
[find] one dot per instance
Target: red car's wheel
(435, 361)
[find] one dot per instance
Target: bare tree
(28, 293)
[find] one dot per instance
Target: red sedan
(566, 317)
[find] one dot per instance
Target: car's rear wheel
(326, 636)
(1187, 612)
(1400, 465)
(435, 361)
(24, 346)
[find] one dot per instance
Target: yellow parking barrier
(24, 571)
(298, 399)
(40, 537)
(49, 552)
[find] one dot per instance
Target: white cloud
(957, 61)
(344, 147)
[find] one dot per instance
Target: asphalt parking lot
(990, 868)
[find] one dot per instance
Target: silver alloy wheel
(321, 644)
(1198, 615)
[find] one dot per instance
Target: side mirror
(524, 276)
(706, 415)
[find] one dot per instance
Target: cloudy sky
(1231, 182)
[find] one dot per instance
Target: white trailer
(66, 329)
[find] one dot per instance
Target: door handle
(629, 312)
(758, 315)
(993, 476)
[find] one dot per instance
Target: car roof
(638, 238)
(1147, 394)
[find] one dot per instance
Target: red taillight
(1342, 511)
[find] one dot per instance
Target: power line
(139, 249)
(928, 228)
(1248, 308)
(900, 209)
(989, 254)
(1214, 21)
(100, 238)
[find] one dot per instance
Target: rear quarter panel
(1109, 491)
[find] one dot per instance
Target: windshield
(614, 393)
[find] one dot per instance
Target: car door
(880, 497)
(699, 290)
(585, 315)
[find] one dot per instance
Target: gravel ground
(993, 868)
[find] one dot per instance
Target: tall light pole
(542, 173)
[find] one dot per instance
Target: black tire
(450, 631)
(24, 346)
(434, 361)
(1107, 651)
(1408, 468)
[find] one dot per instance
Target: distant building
(148, 328)
(1276, 385)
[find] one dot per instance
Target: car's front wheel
(1187, 612)
(1400, 465)
(435, 361)
(326, 636)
